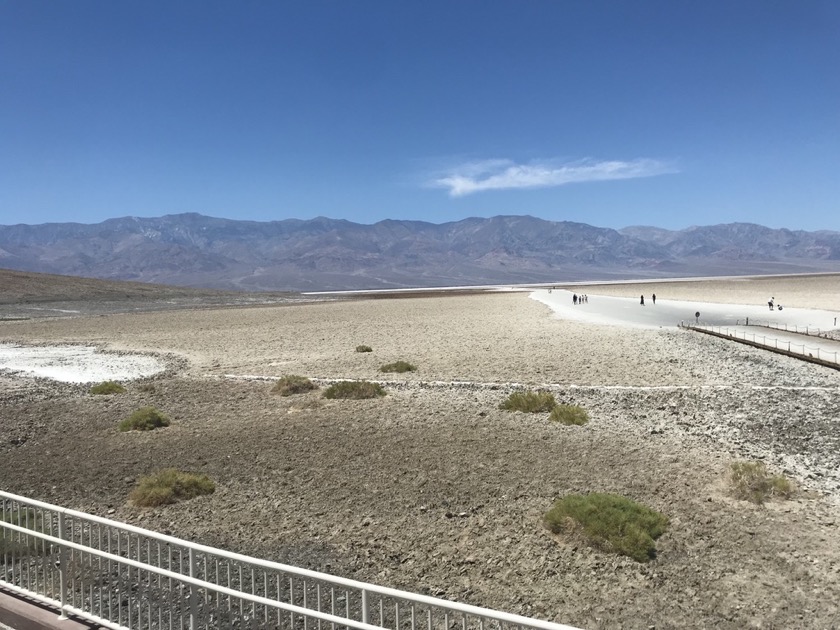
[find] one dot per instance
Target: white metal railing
(812, 352)
(125, 577)
(811, 331)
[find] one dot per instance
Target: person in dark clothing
(643, 300)
(653, 297)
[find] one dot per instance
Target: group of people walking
(652, 298)
(580, 299)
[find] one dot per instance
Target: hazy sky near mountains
(669, 113)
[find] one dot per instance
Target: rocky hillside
(323, 254)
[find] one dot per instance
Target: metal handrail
(771, 342)
(811, 331)
(78, 562)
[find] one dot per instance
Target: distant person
(643, 301)
(697, 317)
(653, 298)
(770, 302)
(574, 299)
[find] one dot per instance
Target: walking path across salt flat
(620, 311)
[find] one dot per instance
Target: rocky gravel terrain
(433, 488)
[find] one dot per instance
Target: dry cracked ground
(433, 488)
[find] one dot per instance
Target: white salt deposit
(75, 364)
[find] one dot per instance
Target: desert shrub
(354, 389)
(14, 543)
(364, 348)
(107, 387)
(291, 384)
(144, 419)
(609, 522)
(529, 402)
(750, 481)
(398, 366)
(569, 414)
(169, 486)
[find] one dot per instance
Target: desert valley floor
(433, 488)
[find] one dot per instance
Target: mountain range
(328, 254)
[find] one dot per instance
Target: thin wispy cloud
(482, 175)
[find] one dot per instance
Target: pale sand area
(492, 337)
(485, 337)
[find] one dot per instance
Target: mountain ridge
(195, 250)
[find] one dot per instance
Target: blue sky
(669, 113)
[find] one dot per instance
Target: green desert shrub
(569, 414)
(609, 522)
(398, 366)
(364, 348)
(291, 384)
(750, 481)
(107, 387)
(529, 402)
(170, 486)
(354, 389)
(144, 419)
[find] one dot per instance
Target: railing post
(364, 606)
(62, 567)
(193, 594)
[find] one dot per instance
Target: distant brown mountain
(33, 288)
(326, 254)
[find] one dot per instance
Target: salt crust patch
(76, 364)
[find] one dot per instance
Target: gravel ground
(433, 488)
